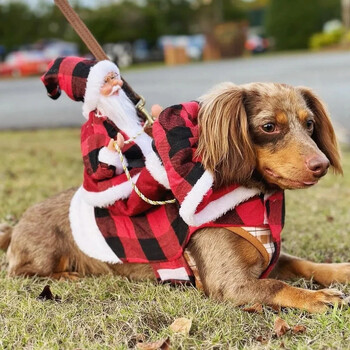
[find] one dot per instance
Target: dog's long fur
(261, 135)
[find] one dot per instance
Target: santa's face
(115, 105)
(111, 84)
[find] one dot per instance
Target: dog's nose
(318, 165)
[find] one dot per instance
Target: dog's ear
(225, 146)
(324, 134)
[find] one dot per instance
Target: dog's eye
(310, 125)
(269, 127)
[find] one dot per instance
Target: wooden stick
(96, 49)
(81, 29)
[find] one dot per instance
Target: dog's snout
(318, 165)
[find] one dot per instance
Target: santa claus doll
(110, 117)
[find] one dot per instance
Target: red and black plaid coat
(160, 234)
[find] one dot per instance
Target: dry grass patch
(112, 313)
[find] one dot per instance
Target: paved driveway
(23, 103)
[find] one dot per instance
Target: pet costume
(107, 230)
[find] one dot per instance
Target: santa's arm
(100, 160)
(176, 138)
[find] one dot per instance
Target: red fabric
(176, 135)
(158, 235)
(68, 74)
(98, 176)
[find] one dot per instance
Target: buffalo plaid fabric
(68, 74)
(176, 135)
(158, 235)
(96, 134)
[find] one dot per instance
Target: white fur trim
(94, 84)
(143, 141)
(214, 209)
(225, 203)
(195, 197)
(173, 274)
(111, 158)
(109, 196)
(86, 233)
(156, 169)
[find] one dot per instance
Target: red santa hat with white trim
(80, 78)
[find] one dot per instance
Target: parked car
(143, 52)
(119, 53)
(56, 48)
(256, 43)
(23, 63)
(194, 44)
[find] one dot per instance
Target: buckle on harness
(140, 106)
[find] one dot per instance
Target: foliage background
(290, 23)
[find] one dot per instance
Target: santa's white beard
(121, 111)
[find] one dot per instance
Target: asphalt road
(24, 104)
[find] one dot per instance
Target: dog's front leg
(229, 267)
(289, 267)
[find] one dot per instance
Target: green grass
(111, 313)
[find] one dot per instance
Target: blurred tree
(128, 21)
(291, 23)
(209, 13)
(255, 10)
(21, 26)
(116, 21)
(13, 16)
(177, 16)
(329, 9)
(254, 4)
(52, 24)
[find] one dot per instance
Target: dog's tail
(5, 236)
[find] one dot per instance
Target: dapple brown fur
(234, 148)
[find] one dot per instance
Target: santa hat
(81, 79)
(68, 74)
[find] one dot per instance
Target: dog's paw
(327, 274)
(322, 299)
(66, 275)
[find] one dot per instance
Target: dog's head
(267, 135)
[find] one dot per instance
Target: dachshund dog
(260, 135)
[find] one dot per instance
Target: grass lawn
(113, 313)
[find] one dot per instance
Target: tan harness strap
(238, 231)
(254, 241)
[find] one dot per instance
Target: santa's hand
(120, 140)
(156, 110)
(111, 145)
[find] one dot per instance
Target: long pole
(81, 29)
(95, 48)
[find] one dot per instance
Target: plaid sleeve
(93, 143)
(176, 137)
